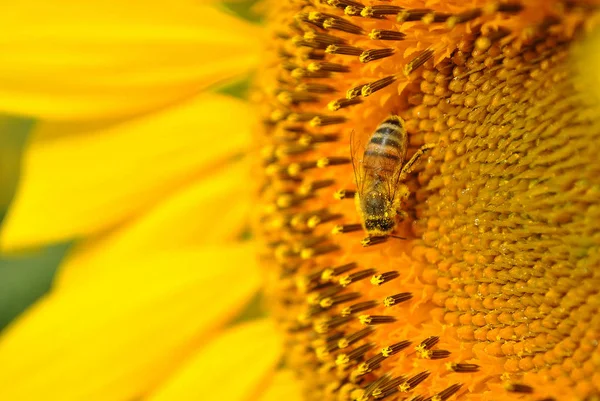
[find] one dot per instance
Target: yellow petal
(284, 386)
(209, 212)
(114, 337)
(82, 179)
(230, 368)
(69, 59)
(586, 58)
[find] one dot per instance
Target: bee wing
(392, 166)
(356, 149)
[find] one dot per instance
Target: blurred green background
(23, 278)
(26, 277)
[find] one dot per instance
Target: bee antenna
(395, 236)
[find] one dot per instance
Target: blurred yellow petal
(586, 59)
(114, 337)
(284, 386)
(69, 59)
(230, 368)
(211, 211)
(79, 179)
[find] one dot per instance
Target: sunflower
(133, 157)
(492, 291)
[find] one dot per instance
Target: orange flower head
(488, 286)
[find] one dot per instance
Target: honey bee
(379, 178)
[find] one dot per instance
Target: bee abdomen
(386, 141)
(382, 153)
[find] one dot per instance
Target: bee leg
(402, 215)
(402, 194)
(407, 168)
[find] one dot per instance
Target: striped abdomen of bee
(386, 150)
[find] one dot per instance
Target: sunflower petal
(230, 368)
(72, 60)
(114, 337)
(284, 386)
(212, 211)
(73, 185)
